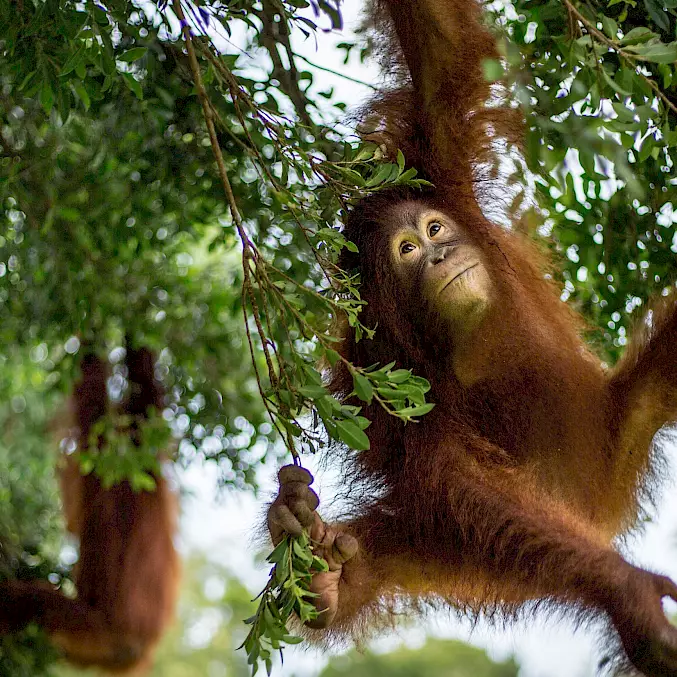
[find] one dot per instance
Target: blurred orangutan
(536, 456)
(128, 570)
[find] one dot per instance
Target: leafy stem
(286, 594)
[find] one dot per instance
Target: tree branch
(628, 56)
(249, 252)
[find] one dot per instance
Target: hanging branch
(249, 252)
(275, 31)
(630, 57)
(295, 384)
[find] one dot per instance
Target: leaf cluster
(287, 593)
(122, 449)
(597, 82)
(116, 219)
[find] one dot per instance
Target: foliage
(208, 626)
(159, 182)
(440, 657)
(287, 594)
(114, 456)
(74, 213)
(81, 218)
(208, 629)
(98, 102)
(597, 81)
(29, 521)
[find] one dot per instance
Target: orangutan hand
(293, 511)
(649, 639)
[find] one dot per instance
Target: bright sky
(224, 526)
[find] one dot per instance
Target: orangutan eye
(434, 228)
(406, 248)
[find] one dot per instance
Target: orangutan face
(433, 257)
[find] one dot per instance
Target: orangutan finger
(302, 511)
(310, 498)
(345, 547)
(294, 473)
(295, 491)
(318, 530)
(281, 518)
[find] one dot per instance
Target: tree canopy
(174, 173)
(443, 657)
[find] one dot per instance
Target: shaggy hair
(511, 494)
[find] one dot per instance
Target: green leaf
(400, 160)
(313, 392)
(408, 175)
(82, 93)
(332, 357)
(302, 553)
(313, 375)
(363, 388)
(375, 369)
(74, 61)
(362, 422)
(638, 35)
(108, 62)
(624, 113)
(617, 88)
(624, 78)
(319, 564)
(350, 175)
(24, 83)
(658, 53)
(492, 70)
(667, 73)
(324, 409)
(351, 434)
(292, 639)
(610, 26)
(279, 552)
(399, 375)
(391, 393)
(366, 152)
(143, 482)
(658, 14)
(47, 98)
(418, 410)
(132, 54)
(380, 176)
(133, 84)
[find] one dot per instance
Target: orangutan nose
(439, 255)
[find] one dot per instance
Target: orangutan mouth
(459, 275)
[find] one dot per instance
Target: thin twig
(209, 121)
(248, 250)
(237, 94)
(337, 73)
(252, 354)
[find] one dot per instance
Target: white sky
(224, 526)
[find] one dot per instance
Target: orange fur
(512, 491)
(128, 570)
